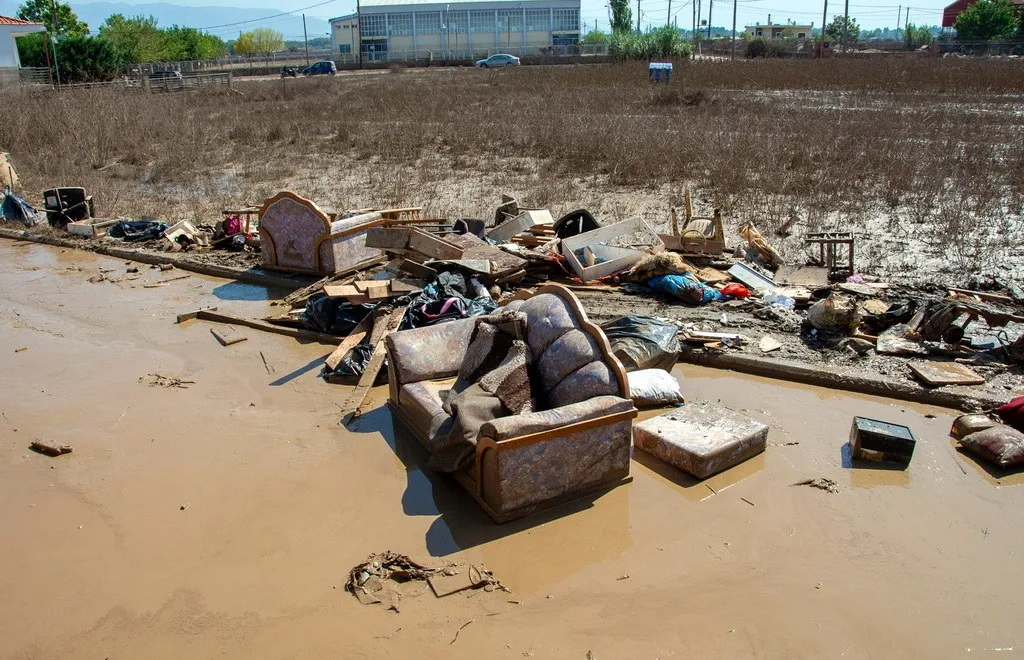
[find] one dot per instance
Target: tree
(135, 39)
(622, 16)
(86, 59)
(918, 36)
(987, 19)
(261, 41)
(58, 17)
(594, 37)
(839, 30)
(191, 44)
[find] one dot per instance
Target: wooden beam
(384, 324)
(358, 334)
(259, 324)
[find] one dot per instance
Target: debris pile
(385, 577)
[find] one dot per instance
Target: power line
(265, 18)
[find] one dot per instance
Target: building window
(400, 25)
(801, 35)
(566, 20)
(373, 25)
(428, 23)
(481, 21)
(510, 20)
(538, 20)
(456, 22)
(344, 49)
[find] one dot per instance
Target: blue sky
(869, 15)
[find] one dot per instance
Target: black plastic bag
(138, 230)
(642, 342)
(334, 316)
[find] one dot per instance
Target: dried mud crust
(1001, 383)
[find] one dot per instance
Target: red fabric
(735, 291)
(1012, 413)
(233, 225)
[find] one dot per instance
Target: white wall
(8, 47)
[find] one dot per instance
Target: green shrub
(664, 42)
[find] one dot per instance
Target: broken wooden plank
(384, 323)
(417, 269)
(259, 324)
(380, 290)
(984, 295)
(388, 238)
(936, 374)
(431, 246)
(190, 316)
(358, 334)
(517, 225)
(344, 291)
(809, 276)
(228, 335)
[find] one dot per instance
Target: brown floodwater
(222, 519)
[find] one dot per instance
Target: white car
(498, 61)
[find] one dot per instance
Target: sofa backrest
(570, 366)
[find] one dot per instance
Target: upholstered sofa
(577, 443)
(296, 235)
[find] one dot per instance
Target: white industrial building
(424, 29)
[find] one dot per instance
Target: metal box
(881, 442)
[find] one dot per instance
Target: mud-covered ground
(222, 518)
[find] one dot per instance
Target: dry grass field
(922, 158)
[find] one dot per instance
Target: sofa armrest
(515, 426)
(428, 353)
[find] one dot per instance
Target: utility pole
(846, 25)
(693, 10)
(53, 41)
(907, 26)
(824, 18)
(733, 56)
(637, 15)
(359, 36)
(668, 16)
(305, 38)
(711, 5)
(899, 15)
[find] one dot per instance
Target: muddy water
(221, 519)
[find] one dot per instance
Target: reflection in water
(868, 474)
(697, 490)
(528, 553)
(244, 291)
(544, 555)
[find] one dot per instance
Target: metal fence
(145, 83)
(471, 53)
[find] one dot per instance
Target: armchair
(577, 443)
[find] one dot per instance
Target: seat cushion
(422, 401)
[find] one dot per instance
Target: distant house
(950, 13)
(9, 60)
(781, 30)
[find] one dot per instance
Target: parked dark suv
(321, 68)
